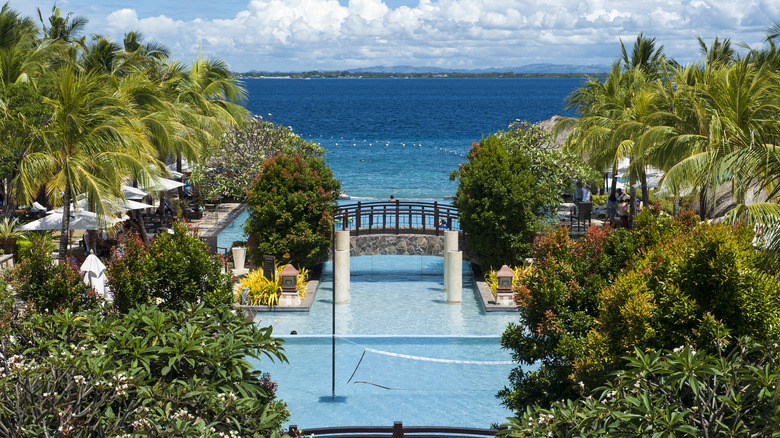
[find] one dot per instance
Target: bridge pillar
(455, 277)
(450, 244)
(341, 267)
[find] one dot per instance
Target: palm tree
(644, 56)
(61, 28)
(720, 110)
(91, 143)
(719, 53)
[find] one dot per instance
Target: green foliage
(590, 302)
(228, 170)
(46, 285)
(174, 270)
(599, 199)
(507, 189)
(149, 372)
(682, 393)
(267, 291)
(687, 290)
(292, 204)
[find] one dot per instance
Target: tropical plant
(229, 168)
(509, 189)
(90, 144)
(291, 209)
(174, 271)
(8, 229)
(729, 389)
(48, 286)
(267, 291)
(149, 372)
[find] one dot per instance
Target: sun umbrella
(95, 274)
(81, 220)
(133, 193)
(162, 185)
(121, 205)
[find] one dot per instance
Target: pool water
(397, 307)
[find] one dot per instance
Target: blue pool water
(398, 306)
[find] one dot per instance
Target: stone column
(455, 277)
(341, 267)
(450, 244)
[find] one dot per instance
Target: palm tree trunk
(676, 206)
(703, 203)
(141, 227)
(645, 193)
(64, 235)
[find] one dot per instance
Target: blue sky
(299, 35)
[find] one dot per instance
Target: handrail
(396, 217)
(397, 430)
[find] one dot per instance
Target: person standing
(624, 211)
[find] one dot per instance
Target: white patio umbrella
(133, 193)
(81, 220)
(95, 274)
(121, 205)
(162, 185)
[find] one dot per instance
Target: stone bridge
(401, 244)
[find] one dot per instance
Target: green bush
(149, 372)
(721, 391)
(46, 285)
(176, 269)
(509, 189)
(687, 290)
(292, 205)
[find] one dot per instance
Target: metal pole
(333, 322)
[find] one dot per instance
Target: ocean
(403, 137)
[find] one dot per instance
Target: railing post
(410, 217)
(384, 219)
(357, 220)
(397, 217)
(422, 214)
(398, 429)
(436, 217)
(371, 218)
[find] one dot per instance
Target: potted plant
(8, 235)
(238, 250)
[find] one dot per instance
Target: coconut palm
(644, 56)
(91, 142)
(720, 110)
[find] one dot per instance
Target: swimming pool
(397, 309)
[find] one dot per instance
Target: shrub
(508, 190)
(47, 285)
(149, 372)
(292, 204)
(722, 391)
(174, 270)
(687, 290)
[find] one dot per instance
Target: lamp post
(504, 289)
(290, 296)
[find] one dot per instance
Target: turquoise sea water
(403, 136)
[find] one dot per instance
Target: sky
(327, 35)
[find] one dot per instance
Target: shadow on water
(333, 399)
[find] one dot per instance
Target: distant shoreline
(380, 75)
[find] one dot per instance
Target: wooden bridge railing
(397, 217)
(397, 430)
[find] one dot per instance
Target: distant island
(402, 72)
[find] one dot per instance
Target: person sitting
(443, 224)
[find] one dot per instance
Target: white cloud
(324, 34)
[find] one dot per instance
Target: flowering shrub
(174, 270)
(149, 372)
(46, 285)
(292, 205)
(721, 391)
